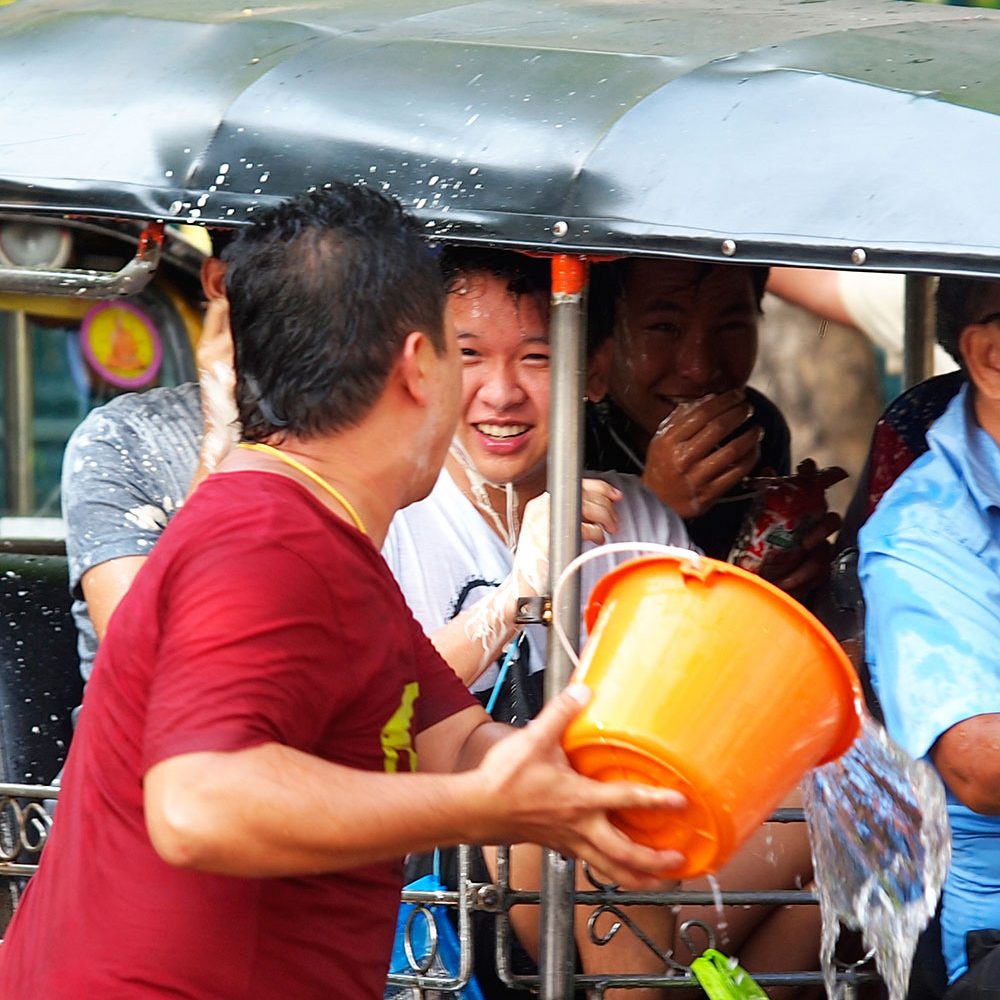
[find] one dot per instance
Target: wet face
(446, 400)
(683, 330)
(504, 342)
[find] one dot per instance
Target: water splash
(878, 826)
(721, 923)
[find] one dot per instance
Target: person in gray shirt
(131, 464)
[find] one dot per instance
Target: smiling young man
(481, 508)
(480, 540)
(674, 344)
(504, 340)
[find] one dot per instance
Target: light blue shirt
(930, 571)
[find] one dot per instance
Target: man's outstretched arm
(274, 811)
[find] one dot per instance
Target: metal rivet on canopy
(729, 247)
(858, 256)
(559, 228)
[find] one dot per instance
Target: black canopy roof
(830, 132)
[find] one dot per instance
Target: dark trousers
(982, 981)
(929, 977)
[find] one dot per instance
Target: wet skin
(684, 347)
(504, 342)
(684, 331)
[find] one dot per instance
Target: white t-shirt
(446, 557)
(876, 302)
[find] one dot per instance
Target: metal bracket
(487, 897)
(533, 611)
(87, 284)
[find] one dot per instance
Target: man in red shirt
(241, 786)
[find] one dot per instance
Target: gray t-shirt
(126, 471)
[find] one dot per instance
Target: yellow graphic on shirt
(397, 735)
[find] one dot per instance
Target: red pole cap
(569, 274)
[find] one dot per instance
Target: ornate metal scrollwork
(24, 829)
(25, 822)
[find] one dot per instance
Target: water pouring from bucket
(712, 681)
(881, 844)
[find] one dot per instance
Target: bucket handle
(602, 550)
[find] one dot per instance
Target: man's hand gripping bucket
(709, 680)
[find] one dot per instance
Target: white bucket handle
(602, 550)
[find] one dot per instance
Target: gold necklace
(309, 474)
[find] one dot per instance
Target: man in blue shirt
(930, 570)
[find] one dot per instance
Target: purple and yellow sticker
(121, 344)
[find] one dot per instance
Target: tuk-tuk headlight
(25, 244)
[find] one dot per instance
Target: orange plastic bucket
(712, 681)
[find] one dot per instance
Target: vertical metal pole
(565, 463)
(918, 329)
(18, 412)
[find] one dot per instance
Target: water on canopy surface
(878, 827)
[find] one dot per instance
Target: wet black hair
(323, 290)
(524, 275)
(607, 284)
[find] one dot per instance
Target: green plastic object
(723, 979)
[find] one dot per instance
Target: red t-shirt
(259, 616)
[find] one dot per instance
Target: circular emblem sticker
(121, 344)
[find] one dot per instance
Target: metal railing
(610, 907)
(26, 818)
(25, 821)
